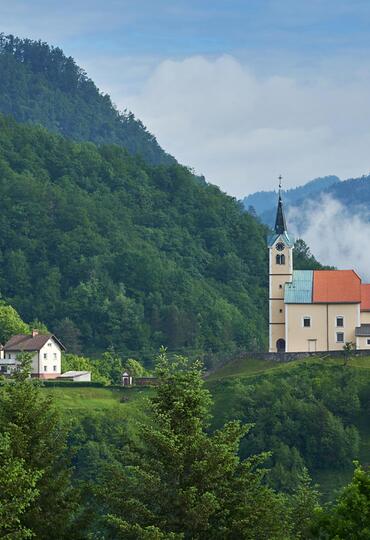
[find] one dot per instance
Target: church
(313, 310)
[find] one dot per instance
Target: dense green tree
(303, 504)
(10, 323)
(305, 417)
(17, 492)
(303, 258)
(135, 368)
(349, 517)
(181, 481)
(37, 440)
(68, 332)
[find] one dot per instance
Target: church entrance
(280, 345)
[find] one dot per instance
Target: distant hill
(264, 202)
(354, 193)
(40, 85)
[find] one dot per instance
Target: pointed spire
(280, 225)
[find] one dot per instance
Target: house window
(306, 322)
(55, 356)
(368, 341)
(49, 344)
(54, 368)
(340, 337)
(340, 321)
(280, 286)
(45, 368)
(281, 311)
(45, 356)
(9, 356)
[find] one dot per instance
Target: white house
(46, 350)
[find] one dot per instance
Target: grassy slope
(248, 367)
(75, 401)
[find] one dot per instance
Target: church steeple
(280, 224)
(280, 272)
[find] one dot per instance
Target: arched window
(280, 259)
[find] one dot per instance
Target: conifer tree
(349, 517)
(37, 440)
(17, 492)
(180, 481)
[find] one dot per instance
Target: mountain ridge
(40, 85)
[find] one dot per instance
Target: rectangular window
(55, 356)
(368, 341)
(9, 356)
(45, 356)
(340, 321)
(307, 322)
(54, 368)
(340, 337)
(45, 368)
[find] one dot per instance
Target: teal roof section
(299, 291)
(285, 237)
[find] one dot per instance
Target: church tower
(280, 272)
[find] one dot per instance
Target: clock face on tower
(280, 246)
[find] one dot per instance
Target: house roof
(27, 342)
(69, 374)
(365, 297)
(336, 287)
(363, 330)
(299, 291)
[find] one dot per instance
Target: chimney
(35, 332)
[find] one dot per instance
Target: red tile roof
(336, 287)
(365, 297)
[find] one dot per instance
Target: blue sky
(240, 90)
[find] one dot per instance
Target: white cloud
(241, 130)
(336, 236)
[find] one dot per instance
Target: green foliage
(182, 482)
(303, 504)
(348, 349)
(38, 442)
(135, 368)
(349, 517)
(306, 417)
(38, 84)
(10, 323)
(303, 258)
(73, 362)
(17, 492)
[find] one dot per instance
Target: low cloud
(335, 235)
(242, 130)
